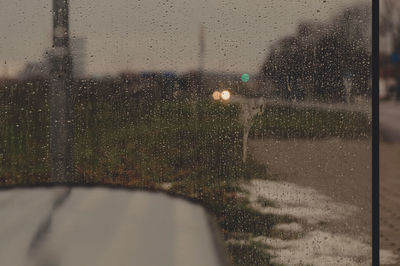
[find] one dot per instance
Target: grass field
(284, 122)
(190, 149)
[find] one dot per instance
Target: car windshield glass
(259, 112)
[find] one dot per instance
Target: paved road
(100, 226)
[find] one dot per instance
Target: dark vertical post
(60, 103)
(199, 93)
(375, 133)
(201, 61)
(202, 48)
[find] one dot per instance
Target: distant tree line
(389, 34)
(316, 62)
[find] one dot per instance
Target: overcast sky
(159, 34)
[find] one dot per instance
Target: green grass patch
(283, 122)
(252, 254)
(196, 147)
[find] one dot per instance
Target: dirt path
(328, 185)
(336, 168)
(390, 196)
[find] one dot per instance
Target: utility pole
(201, 61)
(202, 48)
(60, 99)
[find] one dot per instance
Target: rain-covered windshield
(259, 111)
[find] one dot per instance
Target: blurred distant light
(245, 77)
(225, 95)
(216, 95)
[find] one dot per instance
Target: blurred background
(260, 111)
(389, 94)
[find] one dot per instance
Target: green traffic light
(245, 77)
